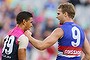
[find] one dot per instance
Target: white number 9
(75, 36)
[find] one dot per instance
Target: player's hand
(27, 33)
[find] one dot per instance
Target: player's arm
(86, 50)
(22, 54)
(47, 42)
(23, 42)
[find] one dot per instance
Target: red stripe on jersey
(69, 50)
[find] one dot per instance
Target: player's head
(25, 18)
(65, 9)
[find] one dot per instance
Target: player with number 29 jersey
(70, 45)
(12, 42)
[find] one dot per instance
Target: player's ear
(24, 22)
(65, 14)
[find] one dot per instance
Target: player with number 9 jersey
(70, 45)
(70, 36)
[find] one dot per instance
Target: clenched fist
(27, 33)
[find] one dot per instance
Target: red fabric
(69, 48)
(51, 50)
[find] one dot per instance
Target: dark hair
(23, 15)
(69, 8)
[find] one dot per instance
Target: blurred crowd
(44, 22)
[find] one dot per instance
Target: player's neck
(68, 20)
(21, 27)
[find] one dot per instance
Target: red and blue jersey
(70, 45)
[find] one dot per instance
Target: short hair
(23, 15)
(69, 8)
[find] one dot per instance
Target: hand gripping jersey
(70, 45)
(10, 49)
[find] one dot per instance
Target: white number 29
(9, 44)
(75, 36)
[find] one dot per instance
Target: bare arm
(86, 50)
(47, 42)
(21, 54)
(23, 43)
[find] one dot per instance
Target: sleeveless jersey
(70, 45)
(10, 49)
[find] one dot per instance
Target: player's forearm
(86, 57)
(36, 43)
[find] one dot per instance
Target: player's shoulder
(59, 31)
(23, 37)
(23, 41)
